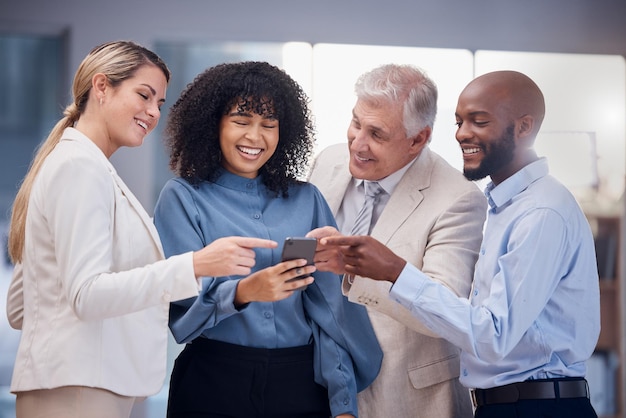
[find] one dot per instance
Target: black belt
(531, 389)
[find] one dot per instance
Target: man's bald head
(513, 92)
(499, 115)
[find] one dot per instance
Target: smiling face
(131, 110)
(378, 142)
(486, 158)
(498, 116)
(247, 141)
(486, 135)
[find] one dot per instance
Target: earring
(101, 101)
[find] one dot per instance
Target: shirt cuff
(346, 284)
(223, 295)
(409, 285)
(226, 297)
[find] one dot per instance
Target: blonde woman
(91, 288)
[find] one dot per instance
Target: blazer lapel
(339, 180)
(331, 175)
(405, 199)
(132, 200)
(71, 134)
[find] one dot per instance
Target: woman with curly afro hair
(278, 339)
(193, 130)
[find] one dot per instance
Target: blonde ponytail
(17, 230)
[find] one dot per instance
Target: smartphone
(299, 247)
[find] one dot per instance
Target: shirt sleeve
(98, 281)
(177, 220)
(347, 353)
(452, 247)
(520, 289)
(333, 365)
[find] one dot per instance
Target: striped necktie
(363, 220)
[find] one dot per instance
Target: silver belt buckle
(473, 395)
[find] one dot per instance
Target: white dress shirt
(355, 196)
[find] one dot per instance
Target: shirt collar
(390, 182)
(233, 181)
(518, 182)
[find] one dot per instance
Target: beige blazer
(92, 307)
(434, 220)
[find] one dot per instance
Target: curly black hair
(192, 131)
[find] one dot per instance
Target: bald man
(533, 316)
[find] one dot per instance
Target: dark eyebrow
(473, 114)
(149, 87)
(153, 91)
(479, 113)
(249, 115)
(240, 113)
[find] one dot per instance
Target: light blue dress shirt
(189, 217)
(534, 309)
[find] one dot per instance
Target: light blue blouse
(534, 310)
(188, 217)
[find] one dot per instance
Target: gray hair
(405, 84)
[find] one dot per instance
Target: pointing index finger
(250, 242)
(339, 240)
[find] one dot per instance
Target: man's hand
(367, 257)
(327, 257)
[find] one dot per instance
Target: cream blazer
(92, 293)
(433, 220)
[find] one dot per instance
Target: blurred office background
(574, 49)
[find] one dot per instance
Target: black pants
(212, 379)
